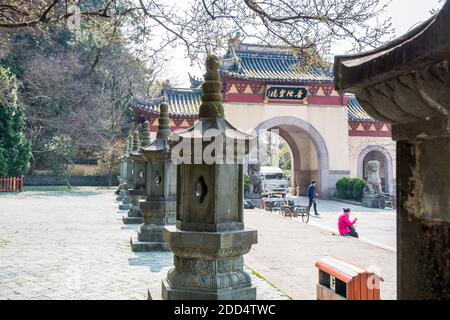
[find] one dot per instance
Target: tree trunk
(67, 183)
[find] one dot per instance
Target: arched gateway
(308, 148)
(264, 88)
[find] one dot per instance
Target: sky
(405, 15)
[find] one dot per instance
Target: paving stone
(73, 245)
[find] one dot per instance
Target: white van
(274, 181)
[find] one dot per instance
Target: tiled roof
(181, 101)
(255, 62)
(356, 111)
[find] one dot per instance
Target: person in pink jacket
(345, 226)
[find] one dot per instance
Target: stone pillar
(159, 205)
(126, 203)
(137, 188)
(209, 239)
(423, 217)
(407, 83)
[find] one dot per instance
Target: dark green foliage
(14, 147)
(84, 80)
(358, 189)
(341, 187)
(246, 183)
(350, 188)
(284, 157)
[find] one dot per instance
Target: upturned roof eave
(425, 43)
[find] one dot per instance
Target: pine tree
(14, 147)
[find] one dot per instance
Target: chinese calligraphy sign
(286, 93)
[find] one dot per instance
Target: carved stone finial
(136, 142)
(126, 147)
(163, 126)
(146, 140)
(211, 106)
(130, 144)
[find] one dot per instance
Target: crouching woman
(346, 227)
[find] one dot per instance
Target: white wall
(329, 121)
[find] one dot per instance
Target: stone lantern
(209, 239)
(126, 203)
(159, 205)
(122, 174)
(137, 190)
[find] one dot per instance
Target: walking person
(312, 195)
(345, 226)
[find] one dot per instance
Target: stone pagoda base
(142, 246)
(236, 294)
(132, 220)
(208, 265)
(157, 215)
(134, 214)
(370, 200)
(126, 204)
(255, 199)
(122, 194)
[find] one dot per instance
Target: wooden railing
(11, 184)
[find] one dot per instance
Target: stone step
(124, 206)
(133, 220)
(142, 246)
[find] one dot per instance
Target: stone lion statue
(255, 185)
(373, 177)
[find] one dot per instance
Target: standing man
(312, 195)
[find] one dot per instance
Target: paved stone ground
(375, 226)
(73, 245)
(287, 250)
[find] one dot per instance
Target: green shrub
(341, 187)
(358, 188)
(246, 183)
(350, 188)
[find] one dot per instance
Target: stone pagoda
(137, 188)
(121, 190)
(126, 203)
(209, 239)
(159, 205)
